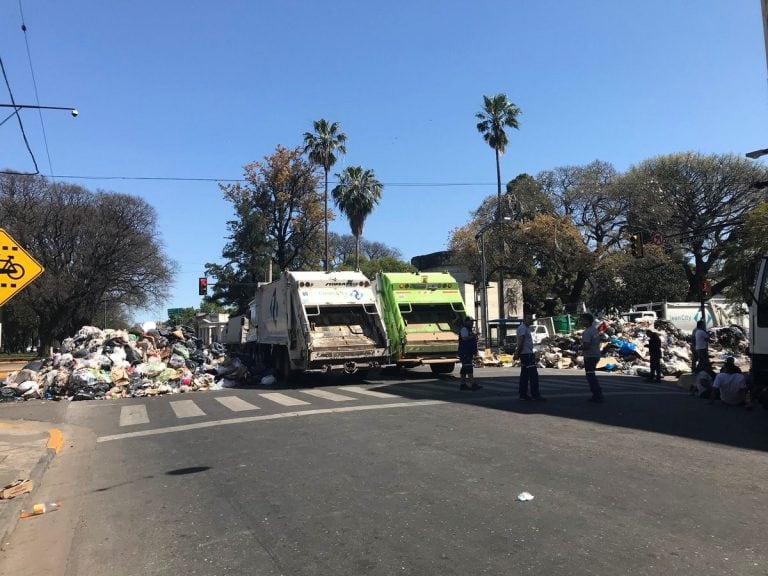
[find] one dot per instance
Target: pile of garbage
(97, 364)
(624, 348)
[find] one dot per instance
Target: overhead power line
(192, 179)
(21, 124)
(34, 85)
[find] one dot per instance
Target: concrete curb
(9, 516)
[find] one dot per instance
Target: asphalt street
(406, 475)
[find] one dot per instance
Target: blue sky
(198, 89)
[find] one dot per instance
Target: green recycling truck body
(422, 313)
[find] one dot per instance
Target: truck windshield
(440, 316)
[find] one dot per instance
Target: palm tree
(321, 147)
(356, 194)
(498, 112)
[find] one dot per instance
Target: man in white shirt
(590, 346)
(731, 384)
(701, 346)
(529, 373)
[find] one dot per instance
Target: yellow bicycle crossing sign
(17, 267)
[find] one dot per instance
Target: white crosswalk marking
(186, 409)
(236, 404)
(367, 392)
(132, 415)
(283, 399)
(325, 394)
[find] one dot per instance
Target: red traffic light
(202, 286)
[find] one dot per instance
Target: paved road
(410, 476)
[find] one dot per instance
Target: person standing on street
(467, 353)
(654, 353)
(590, 346)
(701, 347)
(529, 373)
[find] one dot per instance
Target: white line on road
(186, 409)
(283, 399)
(246, 419)
(236, 404)
(367, 392)
(134, 414)
(328, 395)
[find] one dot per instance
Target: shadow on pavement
(630, 402)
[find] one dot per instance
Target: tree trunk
(357, 253)
(325, 216)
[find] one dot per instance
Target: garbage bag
(176, 361)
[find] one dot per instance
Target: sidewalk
(26, 450)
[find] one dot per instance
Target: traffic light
(636, 243)
(706, 289)
(202, 286)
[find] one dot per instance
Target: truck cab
(758, 333)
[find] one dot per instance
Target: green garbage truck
(422, 313)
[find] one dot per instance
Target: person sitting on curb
(730, 385)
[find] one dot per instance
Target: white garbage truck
(758, 334)
(317, 322)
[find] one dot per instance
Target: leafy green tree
(356, 195)
(497, 114)
(383, 264)
(95, 247)
(322, 146)
(747, 245)
(699, 203)
(278, 222)
(624, 280)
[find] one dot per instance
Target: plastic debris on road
(96, 364)
(524, 496)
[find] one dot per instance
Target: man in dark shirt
(654, 352)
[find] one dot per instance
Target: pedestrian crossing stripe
(236, 404)
(283, 399)
(186, 409)
(325, 394)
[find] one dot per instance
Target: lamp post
(17, 107)
(480, 238)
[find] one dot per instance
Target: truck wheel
(442, 368)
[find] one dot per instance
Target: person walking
(529, 373)
(467, 353)
(590, 346)
(654, 353)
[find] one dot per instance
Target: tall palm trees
(322, 146)
(497, 113)
(356, 194)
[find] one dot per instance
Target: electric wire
(192, 179)
(21, 127)
(34, 85)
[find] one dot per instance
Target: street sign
(17, 267)
(175, 313)
(657, 238)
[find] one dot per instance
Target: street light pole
(484, 304)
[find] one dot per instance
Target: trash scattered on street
(16, 488)
(624, 349)
(524, 496)
(39, 509)
(98, 364)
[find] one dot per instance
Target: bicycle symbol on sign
(14, 270)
